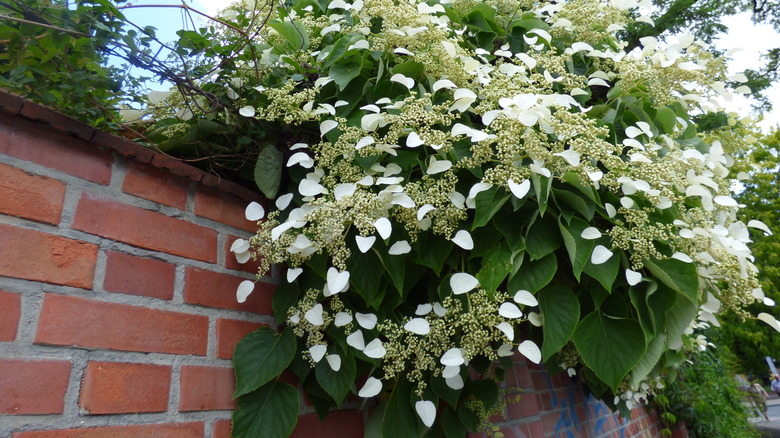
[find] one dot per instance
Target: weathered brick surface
(30, 196)
(32, 387)
(33, 255)
(229, 210)
(31, 141)
(338, 424)
(206, 388)
(119, 388)
(221, 429)
(230, 332)
(145, 229)
(134, 275)
(172, 430)
(10, 312)
(214, 289)
(77, 321)
(155, 185)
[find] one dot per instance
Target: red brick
(155, 185)
(221, 429)
(338, 424)
(10, 312)
(251, 266)
(206, 388)
(122, 388)
(58, 121)
(535, 429)
(30, 196)
(34, 142)
(214, 289)
(516, 431)
(10, 102)
(33, 387)
(33, 255)
(122, 275)
(528, 405)
(172, 430)
(123, 146)
(230, 332)
(80, 322)
(229, 210)
(143, 228)
(177, 167)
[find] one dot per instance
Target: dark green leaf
(579, 249)
(543, 238)
(294, 32)
(534, 275)
(606, 272)
(678, 275)
(440, 388)
(609, 346)
(561, 312)
(487, 204)
(400, 418)
(285, 296)
(261, 356)
(451, 423)
(495, 267)
(337, 383)
(269, 412)
(268, 171)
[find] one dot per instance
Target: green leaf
(678, 275)
(679, 317)
(343, 72)
(268, 170)
(400, 417)
(579, 249)
(534, 275)
(451, 423)
(269, 412)
(609, 346)
(561, 312)
(411, 69)
(542, 186)
(337, 383)
(666, 119)
(285, 296)
(487, 204)
(432, 251)
(366, 273)
(654, 352)
(543, 238)
(294, 32)
(495, 267)
(261, 356)
(441, 389)
(606, 272)
(485, 390)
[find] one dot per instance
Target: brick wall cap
(20, 107)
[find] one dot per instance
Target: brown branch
(47, 26)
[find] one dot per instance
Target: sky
(746, 40)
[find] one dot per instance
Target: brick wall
(117, 309)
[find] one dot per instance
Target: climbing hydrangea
(466, 180)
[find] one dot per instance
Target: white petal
(343, 190)
(372, 387)
(365, 243)
(337, 281)
(383, 227)
(247, 111)
(243, 257)
(418, 326)
(327, 126)
(682, 257)
(334, 360)
(399, 248)
(450, 371)
(342, 319)
(531, 351)
(318, 352)
(366, 320)
(414, 140)
(611, 212)
(570, 156)
(356, 341)
(423, 309)
(590, 233)
(293, 273)
(365, 141)
(535, 319)
(463, 239)
(455, 382)
(505, 350)
(726, 201)
(519, 190)
(600, 255)
(254, 212)
(375, 349)
(301, 158)
(463, 282)
(761, 226)
(403, 80)
(427, 412)
(438, 166)
(244, 289)
(239, 246)
(314, 315)
(283, 201)
(453, 357)
(308, 187)
(422, 211)
(439, 310)
(769, 319)
(525, 298)
(509, 310)
(443, 83)
(632, 277)
(507, 330)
